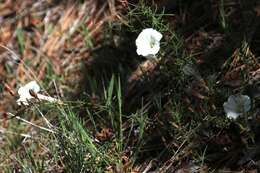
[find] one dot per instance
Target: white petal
(232, 115)
(237, 105)
(29, 86)
(228, 107)
(247, 103)
(33, 86)
(155, 50)
(148, 42)
(24, 92)
(157, 35)
(142, 52)
(22, 101)
(232, 100)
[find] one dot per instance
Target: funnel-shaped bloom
(237, 105)
(25, 93)
(148, 42)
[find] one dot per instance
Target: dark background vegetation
(122, 112)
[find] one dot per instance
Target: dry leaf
(105, 134)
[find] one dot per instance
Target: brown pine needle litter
(104, 108)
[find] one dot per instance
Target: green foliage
(86, 36)
(21, 39)
(166, 116)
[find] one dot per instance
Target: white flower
(25, 96)
(24, 92)
(148, 42)
(237, 105)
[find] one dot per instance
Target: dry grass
(121, 112)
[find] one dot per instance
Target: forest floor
(120, 112)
